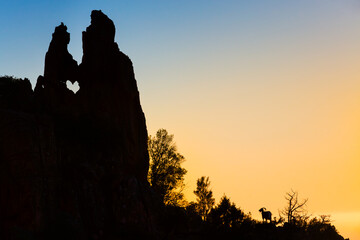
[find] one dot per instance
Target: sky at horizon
(261, 96)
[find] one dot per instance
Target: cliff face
(74, 166)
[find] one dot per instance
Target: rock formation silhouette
(74, 166)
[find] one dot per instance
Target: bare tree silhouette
(295, 211)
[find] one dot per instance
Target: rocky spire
(84, 155)
(59, 64)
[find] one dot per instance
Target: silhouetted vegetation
(295, 211)
(226, 214)
(15, 93)
(204, 197)
(203, 219)
(166, 176)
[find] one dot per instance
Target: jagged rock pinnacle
(81, 160)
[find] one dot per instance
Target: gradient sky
(262, 96)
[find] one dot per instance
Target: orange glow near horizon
(347, 222)
(257, 142)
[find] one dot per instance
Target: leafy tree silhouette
(226, 214)
(166, 176)
(204, 197)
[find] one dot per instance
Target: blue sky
(149, 26)
(156, 28)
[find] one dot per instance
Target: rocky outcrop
(74, 166)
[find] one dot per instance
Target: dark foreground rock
(74, 166)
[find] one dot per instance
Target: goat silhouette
(266, 215)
